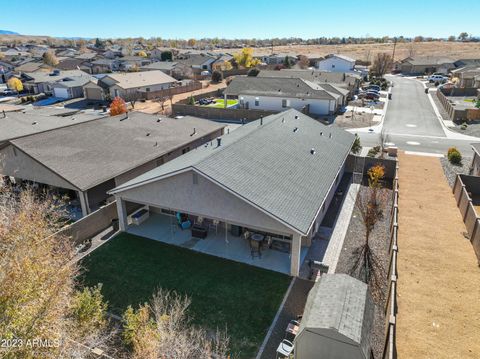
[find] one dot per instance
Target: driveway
(410, 112)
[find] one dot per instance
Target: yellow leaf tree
(142, 54)
(15, 84)
(245, 58)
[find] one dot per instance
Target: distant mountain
(6, 32)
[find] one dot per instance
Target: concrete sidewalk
(438, 275)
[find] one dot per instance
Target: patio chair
(285, 349)
(215, 223)
(199, 220)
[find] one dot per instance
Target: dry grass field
(368, 51)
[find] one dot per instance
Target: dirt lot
(152, 106)
(438, 273)
(359, 120)
(368, 51)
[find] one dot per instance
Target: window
(284, 103)
(333, 66)
(257, 101)
(205, 67)
(147, 89)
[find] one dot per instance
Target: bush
(191, 100)
(217, 77)
(253, 72)
(356, 147)
(373, 151)
(464, 126)
(454, 156)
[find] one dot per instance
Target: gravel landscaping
(379, 245)
(451, 171)
(358, 120)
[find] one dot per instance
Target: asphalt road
(411, 124)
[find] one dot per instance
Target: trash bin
(426, 90)
(390, 96)
(115, 224)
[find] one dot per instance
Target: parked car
(8, 92)
(437, 78)
(373, 87)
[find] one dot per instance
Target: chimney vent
(296, 117)
(219, 142)
(261, 120)
(295, 129)
(148, 134)
(312, 151)
(330, 135)
(283, 119)
(321, 133)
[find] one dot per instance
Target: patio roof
(284, 165)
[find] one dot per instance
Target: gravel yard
(346, 120)
(379, 245)
(451, 171)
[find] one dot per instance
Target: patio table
(257, 237)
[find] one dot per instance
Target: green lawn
(220, 103)
(225, 294)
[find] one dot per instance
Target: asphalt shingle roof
(340, 303)
(270, 165)
(336, 78)
(94, 152)
(278, 87)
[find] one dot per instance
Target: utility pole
(394, 46)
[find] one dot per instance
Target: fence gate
(358, 166)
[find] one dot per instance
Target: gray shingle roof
(91, 153)
(278, 87)
(160, 65)
(343, 304)
(270, 165)
(39, 77)
(337, 78)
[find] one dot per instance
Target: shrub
(373, 151)
(191, 100)
(464, 126)
(217, 77)
(455, 157)
(451, 149)
(253, 72)
(356, 147)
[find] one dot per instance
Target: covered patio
(220, 241)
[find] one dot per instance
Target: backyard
(226, 295)
(218, 103)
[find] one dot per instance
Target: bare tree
(133, 96)
(303, 62)
(381, 64)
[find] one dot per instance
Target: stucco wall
(204, 198)
(15, 163)
(335, 64)
(317, 107)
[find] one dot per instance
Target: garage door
(94, 94)
(60, 92)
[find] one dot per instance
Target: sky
(183, 19)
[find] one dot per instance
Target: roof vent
(194, 132)
(228, 131)
(261, 120)
(73, 118)
(283, 119)
(34, 123)
(159, 119)
(330, 135)
(148, 134)
(295, 129)
(219, 142)
(312, 151)
(296, 117)
(156, 144)
(321, 133)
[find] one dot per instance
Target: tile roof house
(276, 175)
(94, 156)
(277, 94)
(337, 321)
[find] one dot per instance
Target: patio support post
(82, 196)
(122, 214)
(224, 100)
(295, 255)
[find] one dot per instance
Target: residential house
(220, 63)
(70, 87)
(277, 58)
(425, 65)
(6, 71)
(157, 52)
(336, 63)
(101, 66)
(465, 76)
(128, 63)
(87, 56)
(74, 64)
(31, 66)
(88, 159)
(337, 321)
(274, 177)
(467, 63)
(349, 81)
(175, 69)
(42, 82)
(130, 84)
(198, 62)
(279, 94)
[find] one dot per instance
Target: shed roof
(341, 303)
(94, 152)
(270, 166)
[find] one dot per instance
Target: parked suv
(437, 78)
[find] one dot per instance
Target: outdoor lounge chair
(285, 348)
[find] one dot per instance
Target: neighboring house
(198, 62)
(174, 69)
(336, 63)
(131, 62)
(466, 76)
(74, 64)
(425, 65)
(275, 176)
(157, 52)
(30, 66)
(467, 63)
(277, 59)
(220, 63)
(279, 94)
(87, 56)
(88, 159)
(38, 82)
(70, 87)
(6, 71)
(130, 83)
(101, 66)
(349, 81)
(338, 320)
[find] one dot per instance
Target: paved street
(411, 123)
